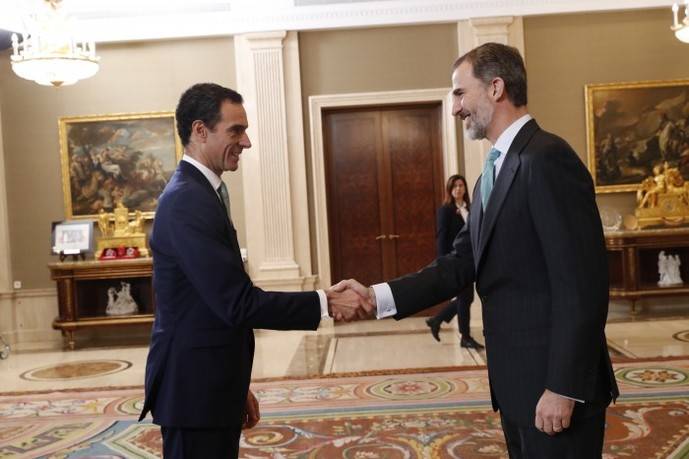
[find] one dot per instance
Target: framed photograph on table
(633, 127)
(107, 159)
(72, 237)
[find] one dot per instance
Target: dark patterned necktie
(222, 190)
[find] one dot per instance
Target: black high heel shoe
(470, 343)
(435, 327)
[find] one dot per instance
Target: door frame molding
(316, 106)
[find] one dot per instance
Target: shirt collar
(212, 178)
(505, 139)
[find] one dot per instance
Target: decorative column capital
(265, 40)
(508, 30)
(492, 29)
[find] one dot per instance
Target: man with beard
(534, 245)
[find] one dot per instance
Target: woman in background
(451, 218)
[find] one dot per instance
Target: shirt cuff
(324, 304)
(385, 302)
(570, 398)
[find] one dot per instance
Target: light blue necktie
(222, 189)
(488, 176)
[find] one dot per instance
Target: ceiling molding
(129, 20)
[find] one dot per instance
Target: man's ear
(498, 86)
(198, 130)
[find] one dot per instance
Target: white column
(274, 170)
(5, 260)
(470, 34)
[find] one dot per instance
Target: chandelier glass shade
(50, 53)
(681, 28)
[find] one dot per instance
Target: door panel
(384, 184)
(411, 142)
(352, 142)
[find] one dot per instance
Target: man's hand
(252, 413)
(349, 300)
(553, 413)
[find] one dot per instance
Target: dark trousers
(181, 443)
(583, 440)
(461, 306)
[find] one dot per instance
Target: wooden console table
(633, 262)
(82, 288)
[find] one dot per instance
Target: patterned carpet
(438, 414)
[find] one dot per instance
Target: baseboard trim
(26, 318)
(28, 293)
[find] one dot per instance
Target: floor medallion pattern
(76, 370)
(682, 336)
(651, 376)
(420, 388)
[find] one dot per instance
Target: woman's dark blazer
(449, 222)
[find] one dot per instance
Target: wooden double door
(384, 182)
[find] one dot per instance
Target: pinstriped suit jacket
(539, 261)
(202, 345)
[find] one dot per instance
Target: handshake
(349, 300)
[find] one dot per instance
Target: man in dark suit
(202, 345)
(535, 247)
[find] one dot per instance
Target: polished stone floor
(655, 330)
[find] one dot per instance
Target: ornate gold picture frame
(633, 127)
(107, 159)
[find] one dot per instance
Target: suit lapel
(502, 185)
(475, 216)
(192, 172)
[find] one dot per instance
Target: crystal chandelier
(49, 53)
(681, 29)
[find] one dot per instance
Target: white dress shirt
(505, 140)
(215, 182)
(213, 179)
(463, 211)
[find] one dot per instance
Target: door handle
(382, 236)
(393, 236)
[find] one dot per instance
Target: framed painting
(633, 127)
(107, 159)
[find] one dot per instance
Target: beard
(477, 126)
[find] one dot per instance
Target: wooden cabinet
(82, 290)
(633, 262)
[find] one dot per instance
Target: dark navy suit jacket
(539, 261)
(202, 345)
